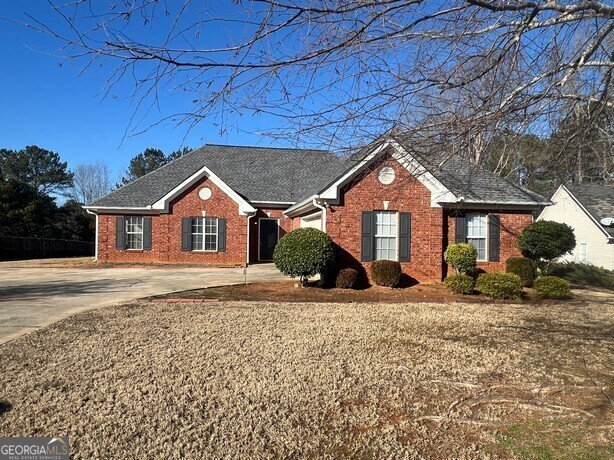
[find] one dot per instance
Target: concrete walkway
(32, 297)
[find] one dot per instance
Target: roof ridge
(267, 148)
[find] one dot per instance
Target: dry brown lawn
(304, 380)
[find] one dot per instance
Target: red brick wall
(166, 232)
(432, 228)
(285, 224)
(512, 223)
(405, 194)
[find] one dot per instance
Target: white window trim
(142, 232)
(397, 236)
(583, 254)
(217, 234)
(487, 233)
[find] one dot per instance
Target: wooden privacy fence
(19, 248)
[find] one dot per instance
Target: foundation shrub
(551, 287)
(462, 257)
(304, 252)
(522, 267)
(459, 284)
(347, 279)
(545, 240)
(500, 285)
(386, 273)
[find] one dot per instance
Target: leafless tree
(452, 73)
(91, 181)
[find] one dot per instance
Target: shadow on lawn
(5, 407)
(47, 289)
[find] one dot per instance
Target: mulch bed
(288, 291)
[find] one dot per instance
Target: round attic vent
(607, 222)
(386, 175)
(204, 193)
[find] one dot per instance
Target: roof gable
(596, 200)
(451, 180)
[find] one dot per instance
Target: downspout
(323, 208)
(249, 216)
(96, 237)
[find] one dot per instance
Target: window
(134, 233)
(476, 233)
(583, 256)
(386, 236)
(204, 234)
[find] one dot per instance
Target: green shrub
(551, 287)
(462, 257)
(499, 285)
(546, 240)
(584, 274)
(347, 279)
(304, 252)
(386, 273)
(459, 284)
(523, 267)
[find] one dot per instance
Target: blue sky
(45, 101)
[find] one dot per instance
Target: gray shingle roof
(472, 182)
(256, 173)
(290, 175)
(597, 199)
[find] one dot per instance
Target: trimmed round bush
(347, 279)
(462, 257)
(459, 284)
(386, 273)
(523, 267)
(546, 240)
(499, 285)
(551, 287)
(304, 252)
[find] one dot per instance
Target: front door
(268, 234)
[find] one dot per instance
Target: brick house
(229, 205)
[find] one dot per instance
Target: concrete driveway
(32, 297)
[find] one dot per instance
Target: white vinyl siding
(386, 235)
(204, 234)
(134, 233)
(476, 233)
(599, 251)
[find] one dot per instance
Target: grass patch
(584, 274)
(318, 380)
(552, 440)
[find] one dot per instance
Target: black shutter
(405, 237)
(221, 235)
(147, 233)
(120, 233)
(366, 249)
(186, 234)
(461, 230)
(494, 238)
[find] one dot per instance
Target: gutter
(323, 208)
(96, 237)
(249, 216)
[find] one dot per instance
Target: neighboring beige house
(589, 210)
